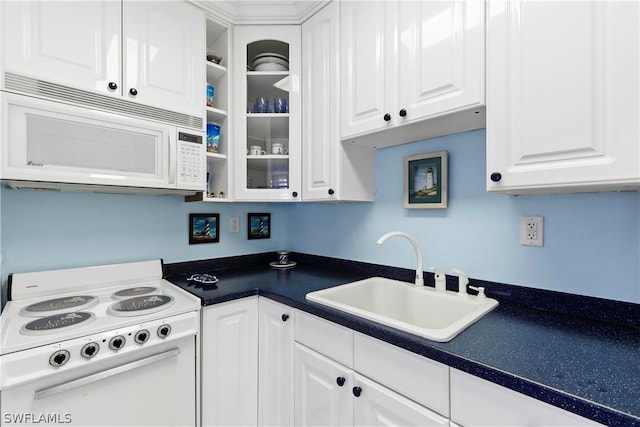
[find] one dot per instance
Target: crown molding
(261, 12)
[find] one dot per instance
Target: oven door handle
(61, 388)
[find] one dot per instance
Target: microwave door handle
(173, 158)
(61, 388)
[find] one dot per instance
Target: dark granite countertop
(586, 366)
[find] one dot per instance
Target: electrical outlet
(531, 230)
(234, 224)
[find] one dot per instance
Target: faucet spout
(419, 279)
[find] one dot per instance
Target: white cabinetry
(416, 67)
(268, 173)
(562, 81)
(276, 369)
(230, 363)
(145, 52)
(334, 384)
(330, 170)
(476, 402)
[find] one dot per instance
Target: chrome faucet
(419, 280)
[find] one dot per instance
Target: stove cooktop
(39, 315)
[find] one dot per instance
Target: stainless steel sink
(420, 310)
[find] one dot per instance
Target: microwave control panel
(191, 161)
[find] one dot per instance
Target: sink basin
(420, 310)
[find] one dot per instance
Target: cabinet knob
(284, 317)
(331, 192)
(357, 391)
(387, 117)
(294, 194)
(403, 112)
(496, 176)
(340, 381)
(113, 85)
(133, 91)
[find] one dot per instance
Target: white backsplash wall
(591, 241)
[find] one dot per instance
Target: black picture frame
(204, 228)
(258, 225)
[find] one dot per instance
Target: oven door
(153, 386)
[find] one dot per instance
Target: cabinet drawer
(325, 337)
(414, 376)
(476, 402)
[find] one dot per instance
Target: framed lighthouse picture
(259, 225)
(204, 228)
(425, 181)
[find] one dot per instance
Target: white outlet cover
(234, 224)
(532, 231)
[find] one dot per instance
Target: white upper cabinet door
(164, 51)
(70, 43)
(441, 58)
(563, 96)
(368, 66)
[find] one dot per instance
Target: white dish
(204, 279)
(289, 265)
(271, 66)
(270, 54)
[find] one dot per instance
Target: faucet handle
(463, 280)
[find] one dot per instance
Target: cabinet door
(563, 87)
(230, 363)
(275, 393)
(441, 57)
(320, 399)
(476, 402)
(69, 42)
(164, 52)
(378, 406)
(369, 87)
(268, 150)
(321, 104)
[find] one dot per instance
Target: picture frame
(258, 225)
(204, 228)
(425, 181)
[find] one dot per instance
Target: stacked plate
(270, 62)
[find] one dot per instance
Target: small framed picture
(259, 225)
(425, 181)
(204, 228)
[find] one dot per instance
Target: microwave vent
(41, 88)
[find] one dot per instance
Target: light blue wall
(592, 241)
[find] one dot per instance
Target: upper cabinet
(411, 68)
(563, 96)
(331, 170)
(144, 52)
(267, 147)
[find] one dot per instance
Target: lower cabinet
(267, 364)
(229, 371)
(331, 391)
(275, 364)
(476, 402)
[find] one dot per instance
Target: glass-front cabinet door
(267, 146)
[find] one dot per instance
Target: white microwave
(52, 145)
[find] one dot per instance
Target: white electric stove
(105, 345)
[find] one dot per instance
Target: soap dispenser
(440, 279)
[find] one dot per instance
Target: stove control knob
(142, 336)
(164, 331)
(117, 342)
(59, 358)
(89, 350)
